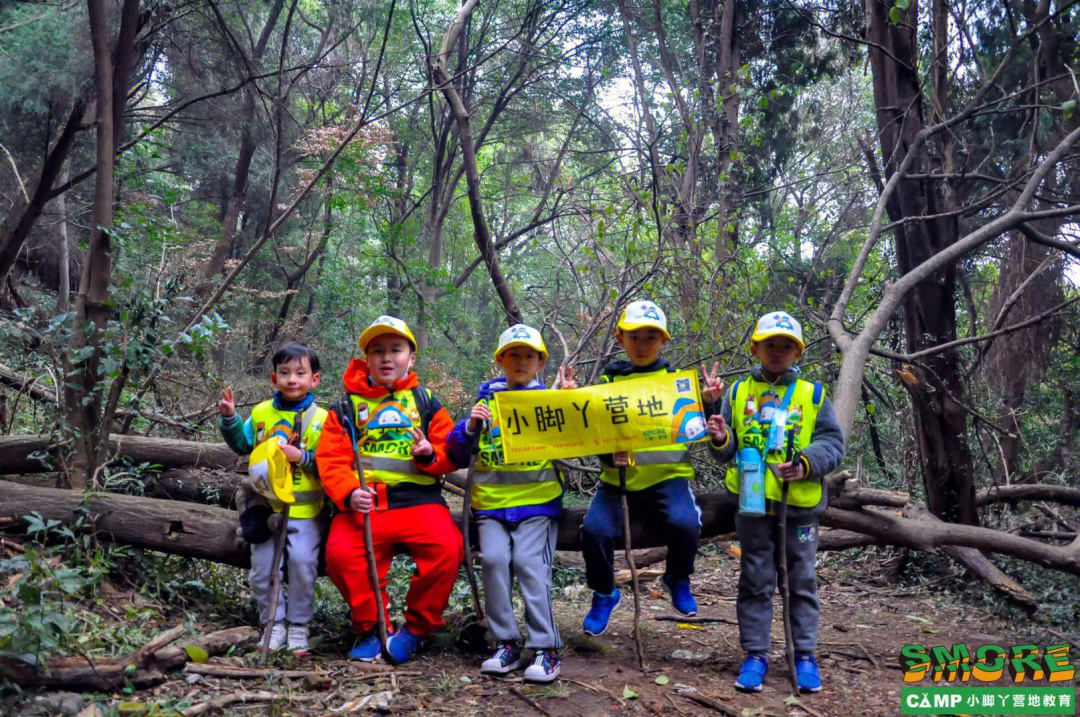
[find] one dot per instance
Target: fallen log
(110, 674)
(207, 532)
(1029, 491)
(35, 453)
(175, 527)
(924, 534)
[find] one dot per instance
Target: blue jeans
(671, 501)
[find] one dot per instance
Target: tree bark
(17, 453)
(234, 202)
(929, 308)
(468, 155)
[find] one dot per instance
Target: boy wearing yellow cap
(517, 507)
(296, 373)
(401, 434)
(807, 443)
(657, 482)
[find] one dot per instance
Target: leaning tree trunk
(468, 157)
(929, 309)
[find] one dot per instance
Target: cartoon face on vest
(391, 420)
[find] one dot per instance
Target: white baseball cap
(643, 314)
(779, 323)
(521, 335)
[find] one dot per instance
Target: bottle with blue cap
(750, 461)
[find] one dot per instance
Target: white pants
(303, 551)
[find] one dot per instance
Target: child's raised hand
(566, 377)
(792, 470)
(717, 428)
(714, 387)
(621, 459)
(227, 406)
(479, 414)
(362, 500)
(292, 453)
(421, 445)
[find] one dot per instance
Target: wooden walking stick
(369, 543)
(465, 510)
(785, 590)
(639, 648)
(279, 549)
(473, 634)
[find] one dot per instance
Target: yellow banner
(609, 417)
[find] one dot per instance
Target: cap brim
(781, 332)
(502, 349)
(373, 332)
(626, 326)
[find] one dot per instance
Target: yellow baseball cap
(521, 335)
(779, 323)
(268, 472)
(641, 315)
(386, 325)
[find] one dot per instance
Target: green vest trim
(509, 485)
(801, 494)
(271, 422)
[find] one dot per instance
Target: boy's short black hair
(293, 351)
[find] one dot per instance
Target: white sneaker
(544, 668)
(506, 659)
(277, 636)
(298, 640)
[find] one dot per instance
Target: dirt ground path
(691, 667)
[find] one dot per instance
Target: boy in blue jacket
(517, 509)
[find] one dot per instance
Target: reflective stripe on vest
(651, 465)
(271, 422)
(508, 485)
(803, 493)
(386, 454)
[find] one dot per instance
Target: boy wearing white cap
(517, 507)
(657, 481)
(774, 398)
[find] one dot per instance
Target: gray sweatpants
(524, 549)
(303, 543)
(757, 580)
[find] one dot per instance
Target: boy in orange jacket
(402, 430)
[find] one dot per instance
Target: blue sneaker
(806, 672)
(752, 673)
(402, 646)
(602, 605)
(367, 648)
(681, 599)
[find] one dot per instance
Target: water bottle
(751, 482)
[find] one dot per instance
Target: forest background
(187, 184)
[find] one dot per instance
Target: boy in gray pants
(517, 507)
(774, 393)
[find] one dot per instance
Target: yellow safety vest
(807, 399)
(271, 422)
(386, 453)
(651, 465)
(508, 485)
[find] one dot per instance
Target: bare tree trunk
(63, 291)
(929, 309)
(234, 202)
(468, 155)
(82, 397)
